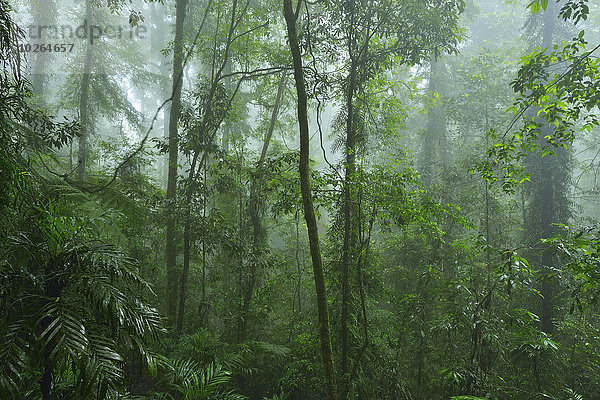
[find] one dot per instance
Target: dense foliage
(431, 233)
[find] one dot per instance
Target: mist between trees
(243, 199)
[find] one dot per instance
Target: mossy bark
(309, 213)
(171, 199)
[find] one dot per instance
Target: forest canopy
(354, 199)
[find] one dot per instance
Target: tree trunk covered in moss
(173, 159)
(309, 213)
(349, 238)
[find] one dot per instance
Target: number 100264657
(46, 47)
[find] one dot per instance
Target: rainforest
(299, 199)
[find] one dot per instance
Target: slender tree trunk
(299, 264)
(203, 306)
(186, 245)
(309, 214)
(349, 233)
(227, 128)
(84, 117)
(241, 241)
(191, 185)
(254, 211)
(44, 13)
(433, 149)
(548, 189)
(423, 290)
(171, 251)
(488, 242)
(159, 43)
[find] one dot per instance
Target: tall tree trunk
(349, 242)
(433, 148)
(227, 128)
(203, 311)
(186, 245)
(488, 239)
(191, 185)
(159, 43)
(548, 195)
(254, 211)
(542, 211)
(421, 350)
(171, 251)
(44, 14)
(309, 213)
(84, 91)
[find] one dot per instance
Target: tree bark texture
(171, 198)
(309, 213)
